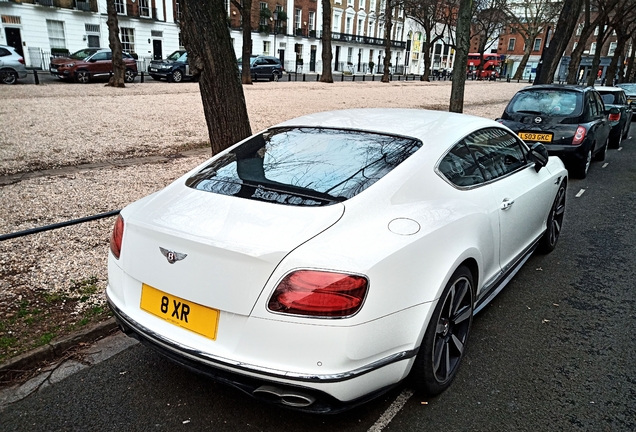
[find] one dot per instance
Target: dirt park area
(68, 151)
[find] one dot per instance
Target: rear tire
(616, 141)
(8, 77)
(555, 222)
(581, 168)
(600, 156)
(444, 342)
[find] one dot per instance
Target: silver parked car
(11, 65)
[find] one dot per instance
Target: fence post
(303, 77)
(317, 77)
(342, 77)
(363, 77)
(142, 76)
(372, 77)
(288, 77)
(35, 77)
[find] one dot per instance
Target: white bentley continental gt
(319, 263)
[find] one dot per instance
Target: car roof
(571, 87)
(609, 89)
(433, 128)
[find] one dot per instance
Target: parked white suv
(11, 65)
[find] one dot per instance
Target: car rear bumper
(309, 392)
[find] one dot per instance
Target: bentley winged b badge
(172, 256)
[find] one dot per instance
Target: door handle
(506, 204)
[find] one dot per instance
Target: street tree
(625, 28)
(326, 53)
(628, 77)
(206, 37)
(462, 45)
(432, 16)
(555, 47)
(387, 17)
(119, 69)
(245, 7)
(529, 19)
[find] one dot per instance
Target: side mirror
(539, 154)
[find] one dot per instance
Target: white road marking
(578, 195)
(620, 148)
(391, 411)
(605, 164)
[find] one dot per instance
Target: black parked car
(570, 121)
(614, 97)
(174, 68)
(630, 92)
(262, 66)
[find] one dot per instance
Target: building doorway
(312, 59)
(14, 39)
(157, 50)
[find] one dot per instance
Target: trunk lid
(232, 244)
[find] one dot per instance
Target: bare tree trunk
(206, 37)
(524, 61)
(117, 79)
(246, 22)
(426, 76)
(575, 62)
(326, 54)
(596, 61)
(562, 34)
(630, 63)
(388, 25)
(610, 76)
(461, 56)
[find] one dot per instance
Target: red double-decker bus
(492, 65)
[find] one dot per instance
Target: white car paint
(407, 234)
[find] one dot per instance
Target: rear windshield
(610, 97)
(547, 102)
(304, 166)
(631, 88)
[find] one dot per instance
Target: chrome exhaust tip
(289, 397)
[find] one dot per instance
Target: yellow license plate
(531, 136)
(183, 313)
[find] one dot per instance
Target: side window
(99, 56)
(592, 109)
(600, 106)
(460, 167)
(4, 52)
(497, 152)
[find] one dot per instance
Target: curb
(57, 348)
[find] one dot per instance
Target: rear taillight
(116, 236)
(614, 117)
(21, 60)
(319, 293)
(579, 135)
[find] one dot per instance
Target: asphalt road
(555, 351)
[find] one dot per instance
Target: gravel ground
(59, 125)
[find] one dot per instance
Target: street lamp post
(275, 32)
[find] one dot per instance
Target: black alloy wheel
(8, 77)
(176, 76)
(129, 76)
(554, 223)
(275, 76)
(82, 77)
(444, 342)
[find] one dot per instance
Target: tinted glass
(459, 166)
(497, 152)
(4, 52)
(629, 88)
(304, 166)
(547, 102)
(100, 56)
(610, 97)
(175, 55)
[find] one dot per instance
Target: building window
(91, 28)
(511, 44)
(263, 22)
(128, 39)
(312, 20)
(361, 5)
(348, 26)
(612, 49)
(537, 45)
(266, 47)
(144, 8)
(336, 22)
(350, 55)
(574, 45)
(579, 29)
(360, 26)
(370, 29)
(120, 7)
(596, 31)
(56, 34)
(350, 3)
(299, 17)
(593, 48)
(177, 10)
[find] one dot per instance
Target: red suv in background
(88, 63)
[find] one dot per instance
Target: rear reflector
(116, 237)
(614, 117)
(579, 135)
(319, 294)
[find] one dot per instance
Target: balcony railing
(83, 5)
(365, 40)
(45, 2)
